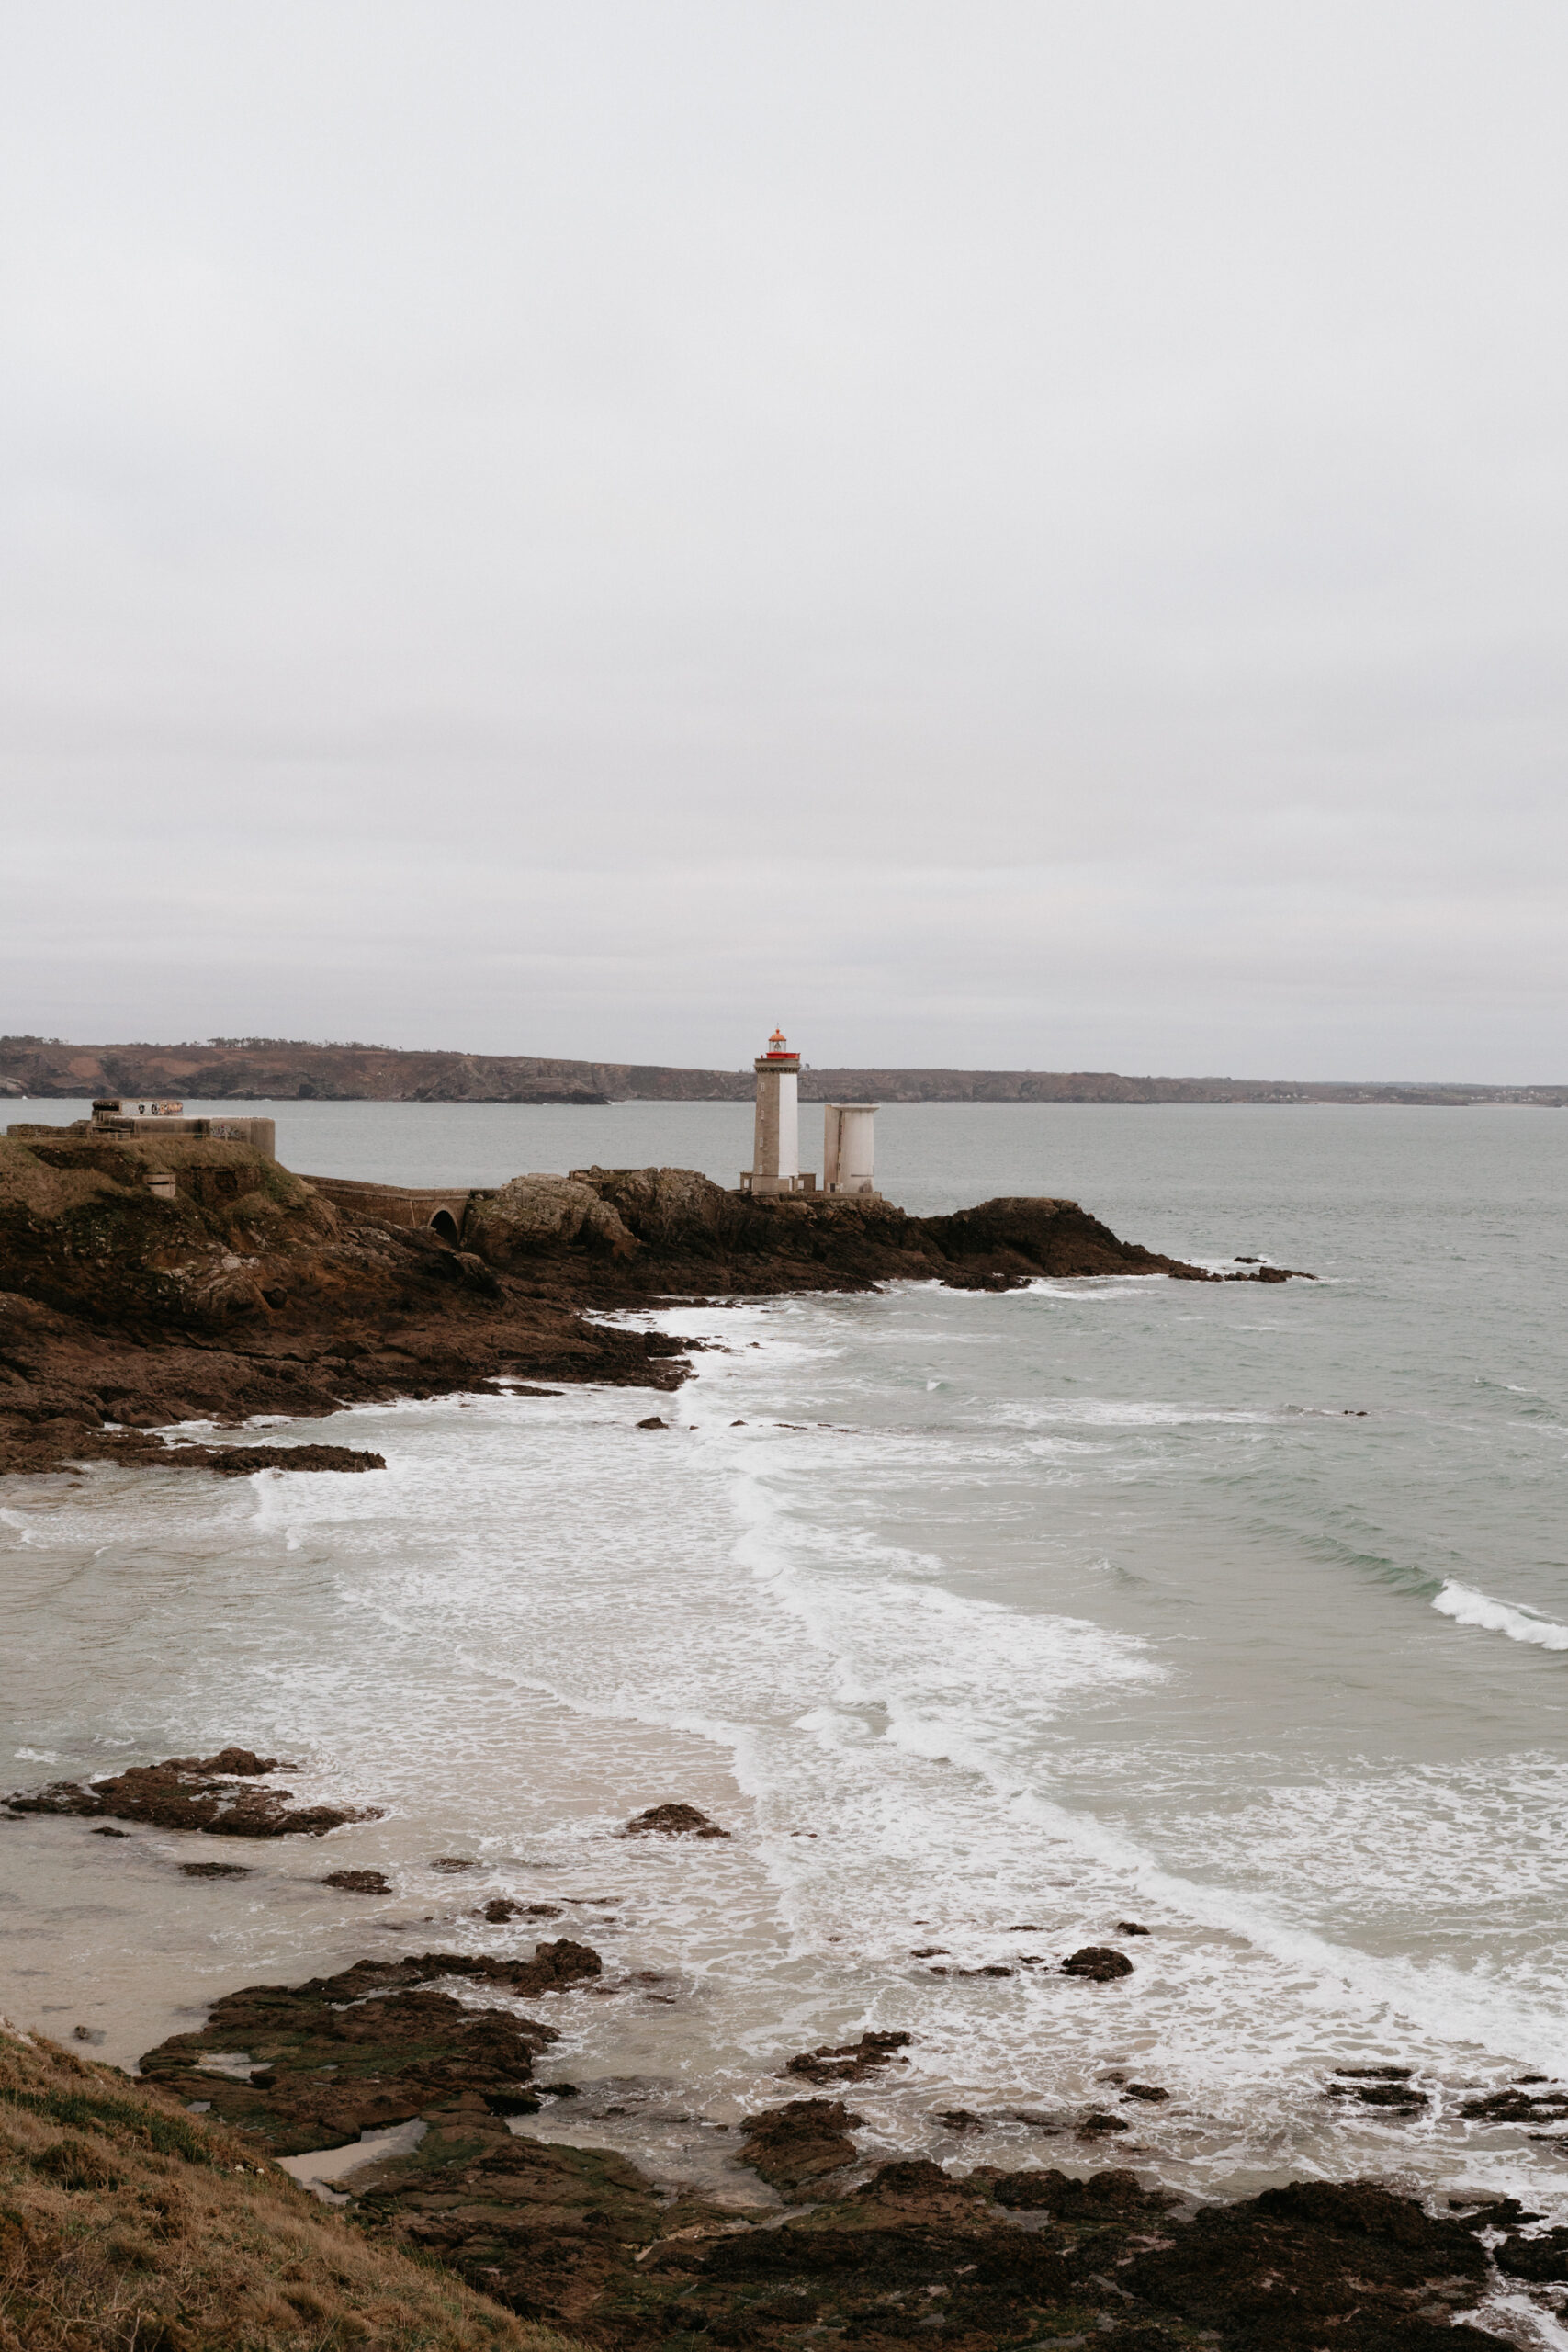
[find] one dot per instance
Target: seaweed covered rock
(849, 2062)
(672, 1820)
(313, 2065)
(798, 2142)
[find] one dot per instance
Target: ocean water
(984, 1624)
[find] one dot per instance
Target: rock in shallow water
(1099, 1963)
(200, 1792)
(377, 2044)
(849, 2062)
(672, 1821)
(799, 2142)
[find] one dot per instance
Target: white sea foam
(1520, 1623)
(872, 1633)
(1128, 1412)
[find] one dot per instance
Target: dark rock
(555, 1966)
(240, 1461)
(1542, 2259)
(510, 2103)
(450, 1862)
(959, 2119)
(554, 2232)
(1131, 1927)
(1515, 2107)
(377, 2043)
(1149, 2093)
(1103, 2194)
(359, 1881)
(653, 1422)
(1492, 2212)
(501, 1908)
(849, 2062)
(1403, 2099)
(672, 1821)
(196, 1792)
(215, 1869)
(106, 1832)
(1099, 1963)
(1096, 2124)
(1350, 2263)
(928, 1951)
(800, 2142)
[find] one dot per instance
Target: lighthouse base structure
(750, 1181)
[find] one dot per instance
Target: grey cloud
(1011, 536)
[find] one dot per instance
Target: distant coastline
(259, 1070)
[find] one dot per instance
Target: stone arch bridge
(443, 1208)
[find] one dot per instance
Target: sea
(989, 1627)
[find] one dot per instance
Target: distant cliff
(287, 1069)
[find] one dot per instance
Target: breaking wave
(1520, 1624)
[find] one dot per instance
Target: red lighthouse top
(777, 1049)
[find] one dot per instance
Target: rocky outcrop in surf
(126, 1309)
(215, 1795)
(377, 2044)
(670, 1230)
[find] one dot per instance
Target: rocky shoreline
(246, 1293)
(798, 2234)
(123, 1314)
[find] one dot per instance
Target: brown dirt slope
(125, 2223)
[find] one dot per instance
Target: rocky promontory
(237, 1288)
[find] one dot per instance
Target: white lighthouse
(775, 1150)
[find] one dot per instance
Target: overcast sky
(1024, 535)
